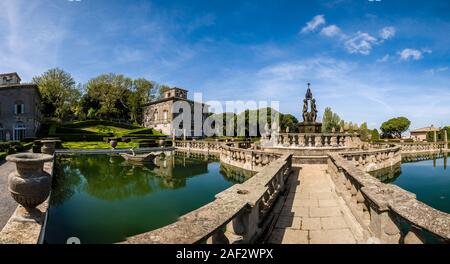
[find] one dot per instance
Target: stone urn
(113, 143)
(29, 184)
(48, 146)
(161, 142)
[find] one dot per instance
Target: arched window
(19, 131)
(19, 108)
(155, 116)
(165, 115)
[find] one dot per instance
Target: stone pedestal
(310, 127)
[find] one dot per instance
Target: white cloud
(437, 70)
(331, 31)
(361, 43)
(408, 54)
(30, 40)
(387, 33)
(385, 58)
(312, 25)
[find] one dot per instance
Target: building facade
(421, 133)
(162, 114)
(20, 108)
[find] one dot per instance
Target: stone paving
(7, 204)
(313, 213)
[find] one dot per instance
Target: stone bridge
(336, 202)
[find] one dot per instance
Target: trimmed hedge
(81, 124)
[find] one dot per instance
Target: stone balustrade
(317, 140)
(203, 146)
(239, 214)
(374, 159)
(423, 146)
(392, 214)
(252, 160)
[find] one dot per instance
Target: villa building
(160, 114)
(20, 115)
(420, 134)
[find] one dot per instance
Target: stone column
(434, 136)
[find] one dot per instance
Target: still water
(104, 199)
(425, 175)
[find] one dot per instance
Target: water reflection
(424, 174)
(88, 189)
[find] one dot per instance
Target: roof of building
(425, 129)
(174, 98)
(9, 74)
(176, 88)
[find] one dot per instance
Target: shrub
(3, 155)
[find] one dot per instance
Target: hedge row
(81, 124)
(3, 155)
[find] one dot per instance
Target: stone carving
(29, 184)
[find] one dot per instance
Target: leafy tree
(374, 135)
(288, 120)
(394, 127)
(142, 92)
(111, 91)
(364, 132)
(330, 120)
(59, 92)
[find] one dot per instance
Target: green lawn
(117, 131)
(98, 145)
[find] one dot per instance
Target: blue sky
(368, 60)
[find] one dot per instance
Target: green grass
(97, 130)
(117, 131)
(97, 145)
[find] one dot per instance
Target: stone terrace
(313, 213)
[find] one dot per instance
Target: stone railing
(240, 214)
(252, 160)
(194, 145)
(392, 214)
(423, 147)
(314, 140)
(374, 159)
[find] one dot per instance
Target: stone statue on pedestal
(310, 124)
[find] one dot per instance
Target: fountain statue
(310, 124)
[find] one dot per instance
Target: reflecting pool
(104, 199)
(425, 175)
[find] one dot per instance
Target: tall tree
(142, 92)
(59, 92)
(288, 120)
(111, 91)
(374, 135)
(330, 120)
(394, 127)
(364, 132)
